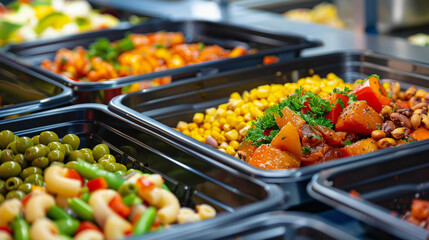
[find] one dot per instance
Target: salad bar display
(207, 130)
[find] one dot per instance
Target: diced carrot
(420, 133)
(361, 147)
(420, 209)
(360, 118)
(245, 150)
(271, 158)
(288, 140)
(289, 116)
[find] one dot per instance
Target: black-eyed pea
(420, 93)
(400, 120)
(416, 120)
(399, 133)
(378, 134)
(386, 142)
(388, 127)
(410, 92)
(386, 111)
(425, 121)
(421, 105)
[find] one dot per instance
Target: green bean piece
(127, 188)
(57, 213)
(120, 172)
(13, 183)
(9, 169)
(6, 137)
(67, 226)
(2, 187)
(71, 164)
(71, 139)
(35, 139)
(6, 155)
(33, 178)
(90, 171)
(1, 198)
(21, 229)
(41, 162)
(12, 146)
(48, 136)
(145, 221)
(25, 187)
(23, 143)
(131, 199)
(85, 197)
(81, 208)
(19, 158)
(15, 194)
(100, 150)
(30, 171)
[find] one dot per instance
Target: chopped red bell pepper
(373, 93)
(267, 132)
(24, 201)
(86, 225)
(6, 229)
(339, 106)
(119, 207)
(73, 174)
(97, 184)
(144, 185)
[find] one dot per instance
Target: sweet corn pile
(226, 126)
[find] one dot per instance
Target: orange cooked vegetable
(420, 133)
(360, 147)
(288, 140)
(245, 150)
(271, 158)
(360, 118)
(289, 116)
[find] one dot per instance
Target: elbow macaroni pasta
(115, 227)
(58, 184)
(99, 201)
(5, 236)
(89, 235)
(37, 206)
(9, 209)
(44, 229)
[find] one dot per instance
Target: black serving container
(160, 109)
(386, 184)
(193, 178)
(24, 91)
(228, 36)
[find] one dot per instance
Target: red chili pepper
(73, 174)
(86, 225)
(6, 229)
(96, 184)
(119, 207)
(373, 93)
(144, 185)
(267, 132)
(337, 109)
(306, 108)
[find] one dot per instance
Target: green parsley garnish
(158, 45)
(201, 46)
(63, 61)
(389, 95)
(110, 52)
(340, 101)
(306, 150)
(347, 142)
(318, 137)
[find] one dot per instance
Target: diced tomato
(338, 108)
(143, 184)
(119, 207)
(267, 132)
(86, 225)
(6, 229)
(373, 93)
(73, 174)
(97, 184)
(306, 108)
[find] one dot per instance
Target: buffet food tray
(24, 91)
(194, 179)
(227, 36)
(162, 108)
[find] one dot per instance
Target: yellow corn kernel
(241, 125)
(194, 134)
(331, 76)
(222, 121)
(272, 99)
(232, 120)
(235, 95)
(245, 108)
(215, 124)
(248, 117)
(201, 131)
(222, 150)
(246, 96)
(186, 132)
(240, 119)
(227, 127)
(211, 111)
(215, 135)
(240, 138)
(230, 150)
(222, 138)
(386, 85)
(208, 119)
(237, 111)
(224, 145)
(259, 104)
(255, 112)
(192, 126)
(207, 133)
(243, 131)
(237, 103)
(198, 117)
(223, 106)
(232, 135)
(182, 125)
(265, 103)
(200, 138)
(220, 112)
(207, 126)
(215, 129)
(262, 93)
(234, 144)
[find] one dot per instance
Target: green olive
(13, 183)
(33, 178)
(30, 171)
(35, 139)
(129, 150)
(86, 150)
(120, 167)
(41, 162)
(99, 165)
(9, 169)
(25, 187)
(1, 198)
(68, 148)
(71, 164)
(23, 143)
(15, 194)
(57, 163)
(75, 155)
(6, 155)
(100, 150)
(6, 137)
(108, 158)
(2, 187)
(56, 156)
(110, 167)
(12, 146)
(127, 188)
(133, 170)
(88, 155)
(46, 148)
(19, 158)
(34, 152)
(57, 146)
(120, 172)
(48, 136)
(71, 139)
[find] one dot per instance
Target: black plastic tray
(225, 35)
(160, 108)
(26, 91)
(387, 184)
(193, 178)
(276, 226)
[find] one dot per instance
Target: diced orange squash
(420, 133)
(245, 150)
(361, 147)
(288, 140)
(271, 158)
(360, 118)
(289, 116)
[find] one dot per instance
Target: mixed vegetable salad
(25, 20)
